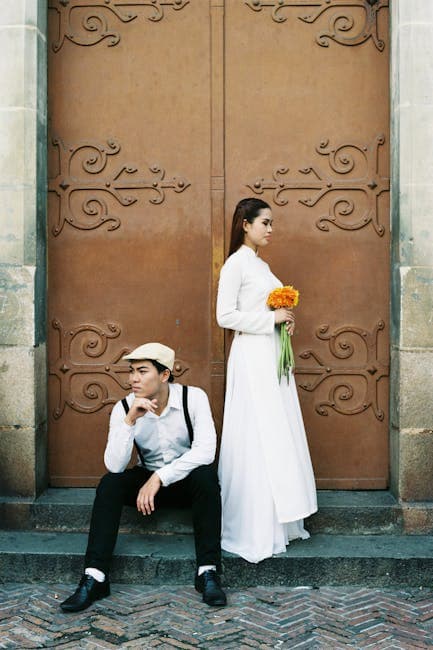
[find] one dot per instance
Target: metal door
(162, 115)
(129, 214)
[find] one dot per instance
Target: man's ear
(165, 376)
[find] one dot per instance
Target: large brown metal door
(129, 219)
(162, 116)
(307, 130)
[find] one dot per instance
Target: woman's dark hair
(160, 368)
(246, 209)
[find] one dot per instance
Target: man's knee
(111, 484)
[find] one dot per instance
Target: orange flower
(283, 297)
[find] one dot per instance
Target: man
(154, 418)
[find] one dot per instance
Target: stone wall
(23, 120)
(412, 253)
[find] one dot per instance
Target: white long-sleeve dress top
(267, 482)
(164, 440)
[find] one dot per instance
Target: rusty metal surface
(88, 22)
(162, 116)
(129, 212)
(350, 22)
(86, 178)
(307, 131)
(341, 160)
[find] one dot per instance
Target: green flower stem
(287, 359)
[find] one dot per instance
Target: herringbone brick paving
(261, 617)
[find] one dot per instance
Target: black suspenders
(126, 407)
(185, 413)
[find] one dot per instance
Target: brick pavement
(261, 617)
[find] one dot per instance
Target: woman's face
(259, 232)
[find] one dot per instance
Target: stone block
(41, 393)
(15, 514)
(35, 205)
(17, 461)
(418, 11)
(30, 256)
(395, 301)
(394, 415)
(416, 225)
(41, 459)
(13, 12)
(31, 67)
(416, 144)
(41, 89)
(416, 307)
(17, 400)
(23, 447)
(18, 134)
(415, 73)
(416, 465)
(418, 518)
(16, 305)
(19, 66)
(394, 460)
(18, 226)
(415, 387)
(11, 226)
(41, 17)
(12, 62)
(24, 12)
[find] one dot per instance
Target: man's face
(145, 380)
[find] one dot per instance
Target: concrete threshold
(369, 560)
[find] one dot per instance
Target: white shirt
(163, 439)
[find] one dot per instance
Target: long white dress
(265, 471)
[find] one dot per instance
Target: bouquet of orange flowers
(284, 297)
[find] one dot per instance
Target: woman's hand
(285, 315)
(139, 407)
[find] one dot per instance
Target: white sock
(206, 567)
(95, 573)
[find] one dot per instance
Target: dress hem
(265, 557)
(292, 520)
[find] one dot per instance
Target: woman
(267, 482)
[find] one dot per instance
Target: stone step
(340, 513)
(368, 560)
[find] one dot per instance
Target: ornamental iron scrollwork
(341, 389)
(342, 28)
(342, 161)
(93, 342)
(95, 209)
(94, 25)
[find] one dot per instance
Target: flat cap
(153, 351)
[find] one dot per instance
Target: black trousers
(200, 489)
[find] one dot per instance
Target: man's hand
(146, 496)
(139, 407)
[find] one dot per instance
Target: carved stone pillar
(23, 449)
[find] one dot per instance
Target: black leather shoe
(87, 592)
(208, 584)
